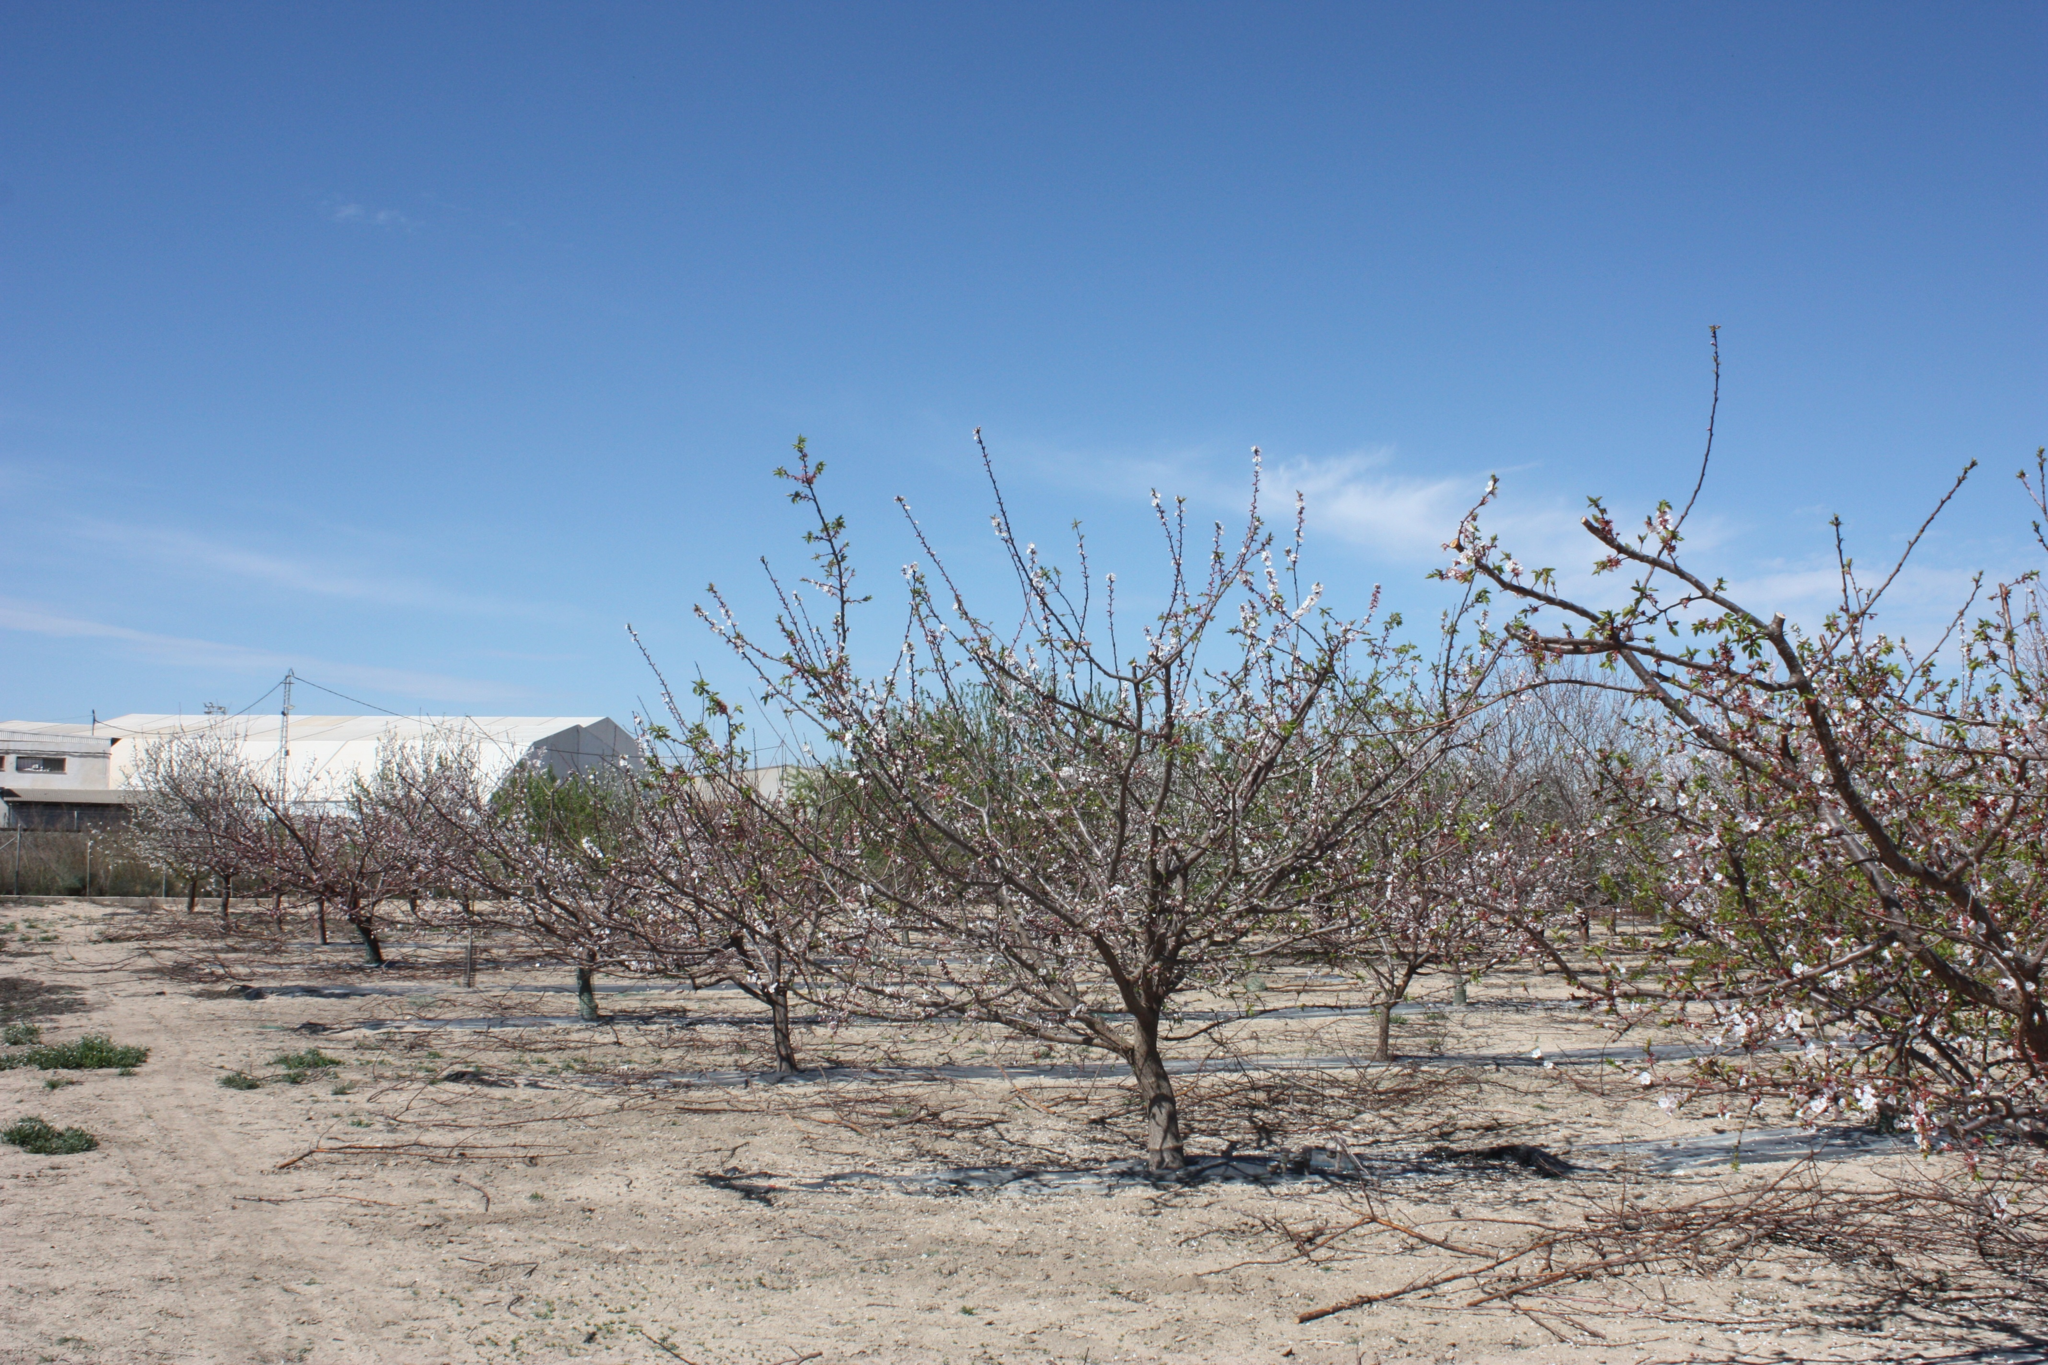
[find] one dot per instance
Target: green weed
(300, 1067)
(235, 1080)
(93, 1052)
(21, 1035)
(34, 1135)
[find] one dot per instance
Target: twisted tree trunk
(1163, 1149)
(373, 951)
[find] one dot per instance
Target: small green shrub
(34, 1135)
(21, 1035)
(57, 1082)
(90, 1053)
(235, 1080)
(312, 1059)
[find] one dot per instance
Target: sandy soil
(622, 1192)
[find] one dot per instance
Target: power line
(260, 700)
(344, 696)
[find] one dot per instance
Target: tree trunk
(227, 890)
(1458, 990)
(586, 994)
(785, 1046)
(323, 921)
(191, 893)
(1383, 1049)
(373, 951)
(469, 961)
(1163, 1151)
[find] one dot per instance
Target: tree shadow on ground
(24, 998)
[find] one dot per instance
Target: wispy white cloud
(1919, 606)
(349, 211)
(180, 551)
(183, 652)
(1362, 499)
(518, 656)
(1403, 518)
(1397, 517)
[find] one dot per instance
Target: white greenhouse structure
(65, 776)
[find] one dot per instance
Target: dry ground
(609, 1193)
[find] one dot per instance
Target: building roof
(65, 796)
(327, 752)
(50, 737)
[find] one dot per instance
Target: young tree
(1074, 821)
(1459, 875)
(1857, 832)
(551, 859)
(742, 889)
(195, 813)
(342, 850)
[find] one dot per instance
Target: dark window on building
(38, 763)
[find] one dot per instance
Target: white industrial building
(63, 776)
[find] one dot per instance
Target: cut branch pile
(1928, 1240)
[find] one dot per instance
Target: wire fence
(35, 862)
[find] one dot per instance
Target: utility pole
(284, 738)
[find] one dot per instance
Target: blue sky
(421, 348)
